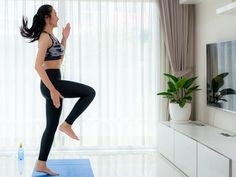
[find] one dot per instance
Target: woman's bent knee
(93, 92)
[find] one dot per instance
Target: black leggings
(67, 89)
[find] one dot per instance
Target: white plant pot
(178, 114)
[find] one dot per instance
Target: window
(112, 47)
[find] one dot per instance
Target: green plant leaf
(188, 98)
(171, 77)
(227, 91)
(181, 83)
(182, 103)
(173, 101)
(164, 94)
(218, 81)
(223, 100)
(171, 87)
(191, 89)
(223, 75)
(189, 82)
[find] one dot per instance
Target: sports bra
(55, 51)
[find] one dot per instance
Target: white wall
(212, 28)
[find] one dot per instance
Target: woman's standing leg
(53, 116)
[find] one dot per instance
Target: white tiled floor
(115, 164)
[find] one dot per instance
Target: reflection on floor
(116, 164)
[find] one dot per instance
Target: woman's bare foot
(66, 128)
(41, 167)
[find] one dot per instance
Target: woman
(48, 61)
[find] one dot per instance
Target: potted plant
(179, 93)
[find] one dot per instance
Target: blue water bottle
(20, 152)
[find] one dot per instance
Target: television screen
(221, 75)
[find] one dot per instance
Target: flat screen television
(221, 75)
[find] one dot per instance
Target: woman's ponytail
(38, 24)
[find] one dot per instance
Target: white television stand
(198, 149)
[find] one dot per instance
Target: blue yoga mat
(68, 168)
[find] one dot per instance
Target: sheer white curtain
(113, 47)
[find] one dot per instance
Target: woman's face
(54, 18)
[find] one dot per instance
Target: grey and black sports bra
(56, 50)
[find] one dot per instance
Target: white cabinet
(211, 163)
(185, 153)
(198, 151)
(166, 141)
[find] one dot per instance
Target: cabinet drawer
(185, 154)
(166, 141)
(211, 163)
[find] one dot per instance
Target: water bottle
(21, 159)
(21, 167)
(20, 152)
